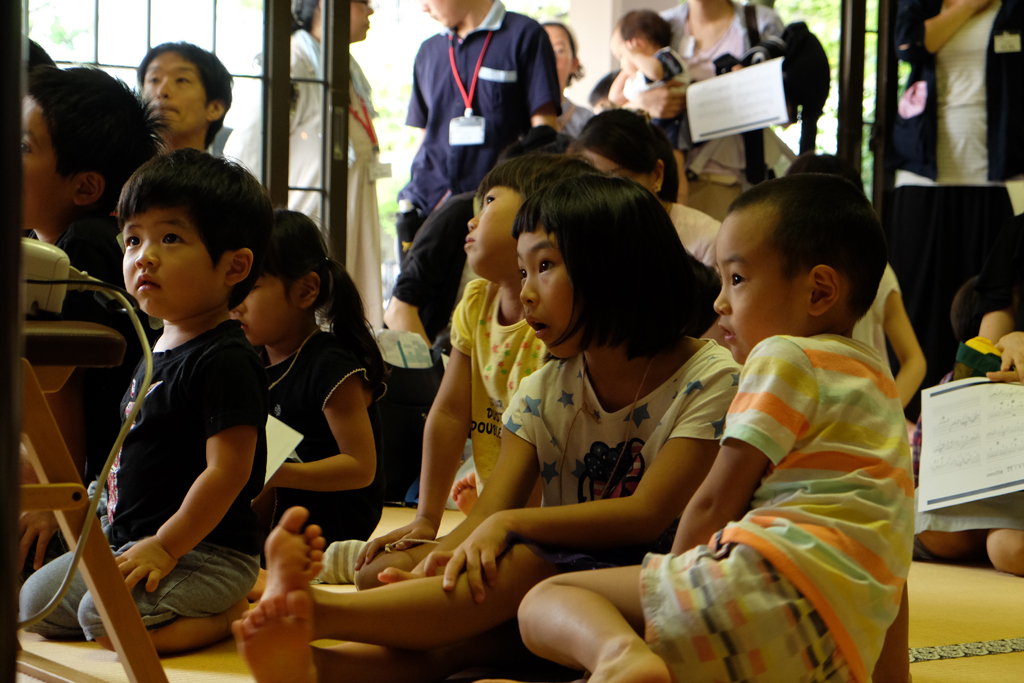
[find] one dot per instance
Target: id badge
(379, 170)
(1006, 42)
(466, 130)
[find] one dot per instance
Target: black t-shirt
(298, 400)
(1004, 270)
(91, 246)
(432, 269)
(199, 389)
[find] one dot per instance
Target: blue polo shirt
(517, 77)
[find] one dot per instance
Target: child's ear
(239, 263)
(659, 175)
(826, 285)
(306, 290)
(88, 187)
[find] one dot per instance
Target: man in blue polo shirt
(486, 79)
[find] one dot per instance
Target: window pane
(245, 118)
(240, 35)
(190, 21)
(64, 28)
(122, 32)
(126, 75)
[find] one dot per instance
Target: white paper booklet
(973, 442)
(748, 99)
(281, 443)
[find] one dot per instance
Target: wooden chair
(52, 352)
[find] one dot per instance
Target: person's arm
(633, 520)
(355, 464)
(545, 115)
(724, 496)
(405, 317)
(649, 65)
(617, 90)
(418, 134)
(229, 458)
(900, 334)
(1012, 367)
(444, 437)
(943, 26)
(665, 102)
(997, 324)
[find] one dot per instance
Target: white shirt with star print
(579, 443)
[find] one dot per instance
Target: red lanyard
(367, 124)
(468, 99)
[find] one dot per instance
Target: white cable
(81, 281)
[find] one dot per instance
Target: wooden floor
(949, 605)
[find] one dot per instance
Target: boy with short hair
(83, 134)
(192, 90)
(808, 510)
(180, 522)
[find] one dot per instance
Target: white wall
(592, 21)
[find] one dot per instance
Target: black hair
(624, 260)
(530, 173)
(296, 249)
(643, 23)
(823, 219)
(579, 73)
(228, 206)
(961, 314)
(302, 14)
(809, 162)
(537, 139)
(709, 286)
(96, 123)
(633, 143)
(37, 56)
(603, 87)
(217, 82)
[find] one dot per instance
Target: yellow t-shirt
(500, 357)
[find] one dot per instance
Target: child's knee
(953, 545)
(366, 577)
(1006, 550)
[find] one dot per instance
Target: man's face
(448, 13)
(173, 84)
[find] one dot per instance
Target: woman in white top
(573, 116)
(957, 138)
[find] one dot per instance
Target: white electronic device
(42, 261)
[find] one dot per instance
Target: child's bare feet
(274, 640)
(631, 662)
(257, 590)
(293, 556)
(464, 493)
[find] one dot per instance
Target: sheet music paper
(749, 99)
(973, 442)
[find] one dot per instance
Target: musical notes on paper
(973, 442)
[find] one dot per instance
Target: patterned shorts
(731, 616)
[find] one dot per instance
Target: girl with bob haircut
(620, 433)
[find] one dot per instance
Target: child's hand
(38, 526)
(420, 529)
(478, 556)
(1012, 367)
(147, 559)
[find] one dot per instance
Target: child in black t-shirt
(180, 522)
(83, 134)
(325, 373)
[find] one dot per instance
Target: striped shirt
(835, 509)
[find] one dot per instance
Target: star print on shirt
(554, 442)
(638, 415)
(532, 406)
(512, 426)
(719, 426)
(693, 386)
(580, 470)
(566, 399)
(549, 472)
(736, 379)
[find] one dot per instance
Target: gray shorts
(205, 582)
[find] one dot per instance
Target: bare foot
(630, 662)
(293, 557)
(277, 649)
(464, 493)
(257, 590)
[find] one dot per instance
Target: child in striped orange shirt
(791, 559)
